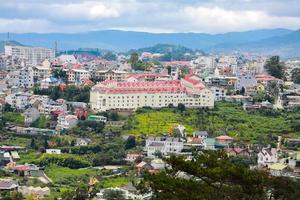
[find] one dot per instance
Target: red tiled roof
(141, 86)
(237, 150)
(265, 78)
(198, 84)
(147, 75)
(76, 66)
(22, 168)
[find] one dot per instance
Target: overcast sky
(208, 16)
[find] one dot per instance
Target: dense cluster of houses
(116, 86)
(234, 78)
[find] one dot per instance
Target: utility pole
(55, 48)
(7, 39)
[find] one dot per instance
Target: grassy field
(157, 122)
(29, 157)
(67, 176)
(64, 175)
(13, 117)
(116, 182)
(18, 141)
(225, 118)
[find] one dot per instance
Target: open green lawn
(157, 122)
(29, 157)
(13, 117)
(225, 118)
(66, 176)
(17, 141)
(116, 182)
(70, 177)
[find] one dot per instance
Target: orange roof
(224, 137)
(265, 78)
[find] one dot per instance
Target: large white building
(78, 75)
(42, 71)
(163, 145)
(31, 55)
(109, 74)
(112, 94)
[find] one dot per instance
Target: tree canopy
(110, 56)
(274, 67)
(137, 64)
(70, 93)
(110, 194)
(296, 75)
(212, 175)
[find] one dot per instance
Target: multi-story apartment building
(109, 74)
(31, 55)
(41, 72)
(78, 75)
(66, 122)
(19, 101)
(245, 81)
(21, 78)
(126, 95)
(49, 106)
(219, 93)
(163, 145)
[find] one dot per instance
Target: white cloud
(25, 25)
(212, 16)
(217, 19)
(90, 10)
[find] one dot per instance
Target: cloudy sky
(209, 16)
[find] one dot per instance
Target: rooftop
(8, 184)
(224, 137)
(277, 166)
(140, 86)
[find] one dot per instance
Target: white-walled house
(49, 82)
(67, 59)
(53, 151)
(164, 145)
(82, 141)
(245, 81)
(66, 122)
(266, 157)
(78, 75)
(19, 101)
(200, 134)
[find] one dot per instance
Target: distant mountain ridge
(283, 39)
(287, 46)
(165, 48)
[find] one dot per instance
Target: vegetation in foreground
(211, 175)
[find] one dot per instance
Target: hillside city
(103, 125)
